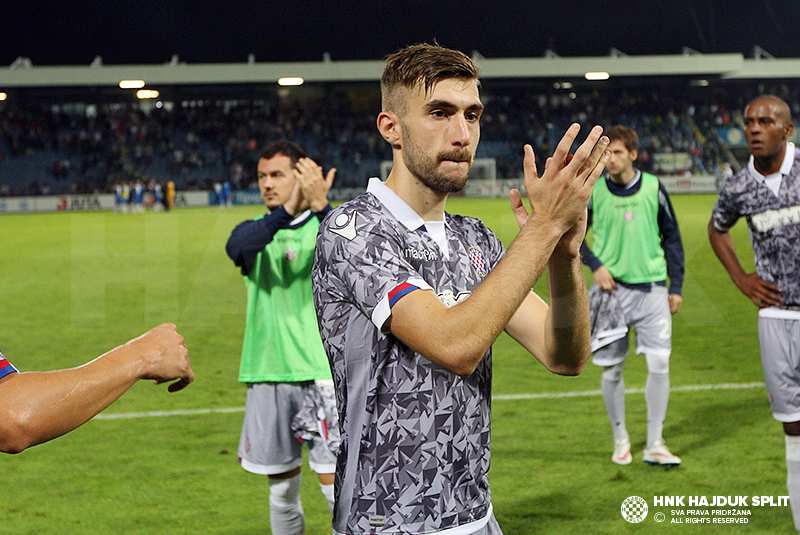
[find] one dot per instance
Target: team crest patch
(290, 254)
(478, 261)
(628, 215)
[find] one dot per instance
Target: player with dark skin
(767, 126)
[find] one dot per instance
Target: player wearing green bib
(283, 362)
(636, 247)
(626, 243)
(281, 338)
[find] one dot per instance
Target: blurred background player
(138, 197)
(636, 246)
(39, 406)
(118, 197)
(282, 355)
(767, 194)
(218, 194)
(126, 197)
(170, 197)
(155, 190)
(227, 199)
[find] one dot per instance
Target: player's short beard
(426, 168)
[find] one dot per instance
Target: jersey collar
(397, 206)
(786, 166)
(300, 220)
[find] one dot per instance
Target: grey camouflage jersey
(774, 223)
(415, 446)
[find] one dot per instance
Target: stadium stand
(85, 147)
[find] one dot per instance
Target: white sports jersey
(773, 220)
(415, 448)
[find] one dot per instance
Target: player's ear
(789, 130)
(389, 127)
(634, 155)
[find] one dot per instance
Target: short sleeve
(364, 266)
(724, 215)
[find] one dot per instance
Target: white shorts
(649, 313)
(779, 338)
(268, 445)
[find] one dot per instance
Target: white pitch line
(688, 388)
(507, 397)
(158, 414)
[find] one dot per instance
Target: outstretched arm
(39, 406)
(760, 292)
(457, 338)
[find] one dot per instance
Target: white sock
(793, 476)
(327, 491)
(656, 394)
(614, 395)
(285, 510)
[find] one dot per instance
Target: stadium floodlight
(290, 80)
(3, 96)
(131, 84)
(596, 76)
(143, 94)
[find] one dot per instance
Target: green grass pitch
(77, 284)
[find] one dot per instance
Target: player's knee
(284, 493)
(613, 373)
(658, 364)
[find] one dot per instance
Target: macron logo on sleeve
(345, 226)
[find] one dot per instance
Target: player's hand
(675, 301)
(164, 356)
(313, 185)
(559, 197)
(603, 278)
(296, 202)
(764, 294)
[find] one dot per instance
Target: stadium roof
(725, 66)
(152, 31)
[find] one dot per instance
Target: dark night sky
(151, 31)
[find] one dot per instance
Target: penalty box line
(502, 397)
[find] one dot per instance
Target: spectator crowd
(83, 147)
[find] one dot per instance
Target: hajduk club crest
(478, 261)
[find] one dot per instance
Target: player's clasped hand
(559, 197)
(313, 186)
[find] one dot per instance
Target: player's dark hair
(422, 65)
(288, 148)
(627, 135)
